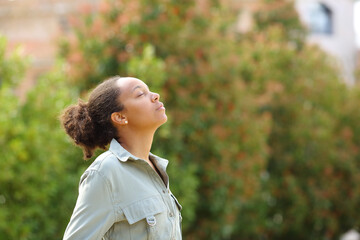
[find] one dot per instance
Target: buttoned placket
(164, 191)
(173, 209)
(175, 215)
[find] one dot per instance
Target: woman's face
(142, 108)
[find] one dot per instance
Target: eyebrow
(138, 86)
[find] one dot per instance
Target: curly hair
(89, 124)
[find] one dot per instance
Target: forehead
(127, 84)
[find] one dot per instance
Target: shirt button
(164, 191)
(171, 214)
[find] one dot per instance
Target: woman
(124, 194)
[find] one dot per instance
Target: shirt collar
(123, 155)
(159, 162)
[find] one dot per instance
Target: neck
(138, 144)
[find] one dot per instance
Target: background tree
(222, 89)
(312, 164)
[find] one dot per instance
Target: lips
(161, 106)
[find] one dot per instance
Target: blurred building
(331, 26)
(36, 25)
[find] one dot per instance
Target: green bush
(39, 167)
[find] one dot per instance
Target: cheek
(139, 111)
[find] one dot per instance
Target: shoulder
(104, 165)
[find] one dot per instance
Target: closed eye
(141, 94)
(141, 90)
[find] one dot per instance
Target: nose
(155, 97)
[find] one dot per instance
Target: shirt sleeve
(94, 212)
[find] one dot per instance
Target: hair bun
(89, 124)
(83, 111)
(78, 124)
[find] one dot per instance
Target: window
(319, 18)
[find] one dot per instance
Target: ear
(118, 119)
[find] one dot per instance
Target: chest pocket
(147, 219)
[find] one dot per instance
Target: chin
(164, 120)
(161, 120)
(160, 123)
